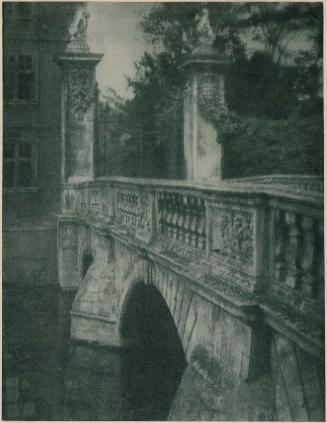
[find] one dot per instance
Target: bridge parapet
(259, 241)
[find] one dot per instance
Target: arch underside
(154, 358)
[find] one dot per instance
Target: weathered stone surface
(240, 367)
(299, 382)
(254, 401)
(205, 392)
(78, 114)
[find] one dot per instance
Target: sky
(113, 30)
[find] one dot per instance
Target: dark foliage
(275, 108)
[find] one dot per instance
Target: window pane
(24, 10)
(25, 62)
(25, 86)
(9, 63)
(24, 174)
(25, 150)
(9, 150)
(9, 77)
(9, 86)
(8, 174)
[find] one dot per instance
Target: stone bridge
(240, 268)
(211, 291)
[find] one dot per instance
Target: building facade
(33, 34)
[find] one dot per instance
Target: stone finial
(206, 36)
(77, 31)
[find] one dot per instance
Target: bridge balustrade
(259, 240)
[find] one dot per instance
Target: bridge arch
(86, 258)
(86, 261)
(154, 360)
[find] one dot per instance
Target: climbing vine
(215, 111)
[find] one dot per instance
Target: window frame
(24, 18)
(16, 139)
(15, 75)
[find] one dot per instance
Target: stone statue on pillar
(77, 32)
(204, 68)
(204, 31)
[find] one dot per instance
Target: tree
(268, 84)
(275, 25)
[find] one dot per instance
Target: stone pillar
(205, 68)
(78, 103)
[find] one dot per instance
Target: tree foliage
(274, 82)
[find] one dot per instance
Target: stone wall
(30, 255)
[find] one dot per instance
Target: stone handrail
(261, 241)
(300, 183)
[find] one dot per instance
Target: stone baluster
(127, 204)
(101, 209)
(118, 215)
(175, 216)
(82, 203)
(280, 230)
(136, 209)
(292, 250)
(88, 201)
(79, 201)
(320, 262)
(201, 227)
(193, 225)
(123, 205)
(169, 216)
(187, 220)
(119, 197)
(128, 207)
(106, 203)
(94, 203)
(180, 219)
(307, 257)
(126, 195)
(162, 212)
(166, 214)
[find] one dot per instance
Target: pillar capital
(80, 58)
(204, 58)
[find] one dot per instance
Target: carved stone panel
(68, 236)
(80, 91)
(232, 235)
(210, 87)
(145, 211)
(145, 216)
(69, 200)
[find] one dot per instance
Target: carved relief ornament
(80, 90)
(145, 211)
(233, 234)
